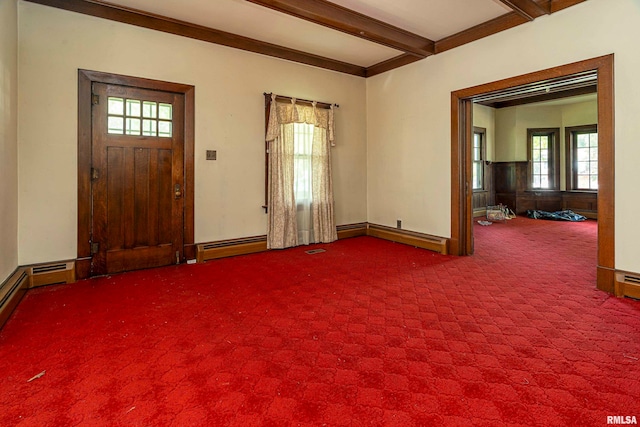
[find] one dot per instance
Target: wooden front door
(137, 178)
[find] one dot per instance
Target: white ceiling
(433, 19)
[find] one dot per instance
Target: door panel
(137, 215)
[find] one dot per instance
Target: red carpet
(367, 333)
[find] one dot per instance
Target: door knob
(177, 191)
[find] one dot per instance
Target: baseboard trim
(627, 284)
(83, 268)
(605, 279)
(412, 238)
(11, 292)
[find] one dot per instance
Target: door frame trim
(461, 124)
(85, 80)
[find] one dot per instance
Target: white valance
(282, 113)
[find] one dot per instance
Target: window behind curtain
(303, 155)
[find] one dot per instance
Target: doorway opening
(462, 157)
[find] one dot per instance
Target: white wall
(514, 132)
(229, 192)
(507, 150)
(8, 137)
(485, 117)
(408, 113)
(580, 113)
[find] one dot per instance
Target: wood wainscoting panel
(583, 203)
(11, 292)
(412, 238)
(481, 199)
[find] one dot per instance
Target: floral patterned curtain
(282, 228)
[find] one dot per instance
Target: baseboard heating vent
(631, 279)
(227, 248)
(627, 285)
(314, 251)
(51, 274)
(11, 292)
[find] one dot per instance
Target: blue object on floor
(566, 215)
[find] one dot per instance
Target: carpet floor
(367, 333)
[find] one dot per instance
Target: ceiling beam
(105, 10)
(165, 24)
(390, 64)
(485, 29)
(339, 18)
(528, 9)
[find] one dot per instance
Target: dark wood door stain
(137, 186)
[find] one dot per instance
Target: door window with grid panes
(137, 117)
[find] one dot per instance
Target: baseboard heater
(352, 230)
(412, 238)
(627, 285)
(11, 292)
(232, 247)
(51, 273)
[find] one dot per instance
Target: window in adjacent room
(543, 146)
(582, 158)
(479, 154)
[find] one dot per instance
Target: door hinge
(95, 99)
(95, 174)
(95, 248)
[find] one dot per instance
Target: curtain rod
(304, 101)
